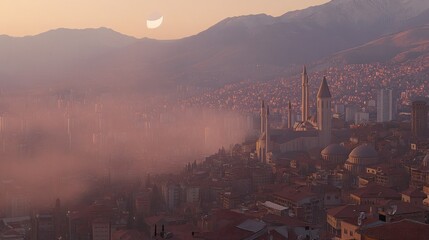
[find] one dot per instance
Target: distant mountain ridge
(56, 52)
(398, 47)
(254, 47)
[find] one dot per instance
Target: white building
(361, 117)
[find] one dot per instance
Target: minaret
(289, 115)
(267, 134)
(263, 117)
(304, 100)
(262, 139)
(324, 114)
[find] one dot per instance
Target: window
(345, 231)
(351, 233)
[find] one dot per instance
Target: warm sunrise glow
(187, 17)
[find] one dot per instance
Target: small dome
(364, 151)
(334, 149)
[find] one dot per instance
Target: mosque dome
(334, 149)
(364, 151)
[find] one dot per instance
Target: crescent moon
(152, 24)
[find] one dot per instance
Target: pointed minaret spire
(305, 95)
(324, 89)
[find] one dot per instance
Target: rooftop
(404, 229)
(376, 191)
(295, 194)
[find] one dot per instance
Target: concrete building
(361, 117)
(419, 119)
(386, 105)
(304, 204)
(101, 229)
(350, 113)
(172, 193)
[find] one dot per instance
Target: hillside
(254, 47)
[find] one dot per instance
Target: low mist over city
(265, 120)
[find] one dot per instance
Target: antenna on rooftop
(392, 210)
(362, 216)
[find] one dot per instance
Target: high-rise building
(386, 105)
(419, 121)
(172, 194)
(350, 113)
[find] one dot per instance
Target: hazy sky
(181, 17)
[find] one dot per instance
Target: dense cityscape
(282, 181)
(309, 125)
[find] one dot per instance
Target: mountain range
(254, 47)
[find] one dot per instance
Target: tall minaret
(304, 100)
(289, 115)
(262, 141)
(324, 114)
(267, 134)
(263, 117)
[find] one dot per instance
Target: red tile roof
(347, 211)
(414, 193)
(295, 194)
(284, 220)
(404, 229)
(376, 191)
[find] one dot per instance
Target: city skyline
(310, 125)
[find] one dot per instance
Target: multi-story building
(419, 121)
(305, 204)
(192, 194)
(335, 216)
(386, 105)
(391, 176)
(101, 229)
(143, 203)
(373, 194)
(172, 195)
(45, 226)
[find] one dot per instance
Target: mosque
(312, 132)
